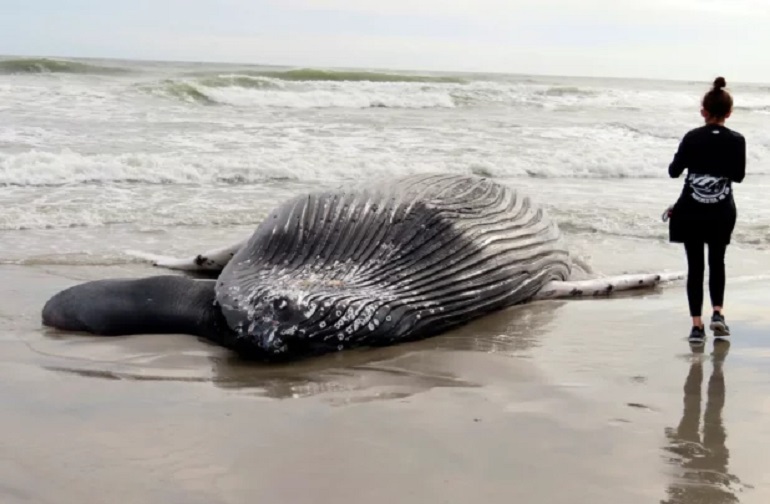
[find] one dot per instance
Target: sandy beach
(558, 402)
(591, 401)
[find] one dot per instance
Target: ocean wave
(236, 80)
(266, 89)
(754, 235)
(321, 75)
(202, 90)
(73, 259)
(520, 94)
(66, 168)
(327, 98)
(759, 109)
(36, 168)
(46, 65)
(567, 91)
(184, 91)
(318, 158)
(245, 91)
(653, 131)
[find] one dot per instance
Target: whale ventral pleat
(397, 260)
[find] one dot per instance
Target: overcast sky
(674, 39)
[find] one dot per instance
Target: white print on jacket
(708, 189)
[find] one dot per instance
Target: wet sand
(555, 402)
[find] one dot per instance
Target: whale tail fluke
(600, 287)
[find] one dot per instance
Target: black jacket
(714, 157)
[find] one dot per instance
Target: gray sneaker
(697, 336)
(719, 326)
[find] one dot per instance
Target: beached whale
(382, 263)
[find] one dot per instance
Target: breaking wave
(759, 109)
(236, 80)
(321, 75)
(166, 146)
(68, 168)
(566, 91)
(319, 161)
(46, 65)
(273, 89)
(248, 91)
(184, 91)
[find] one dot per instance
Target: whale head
(268, 323)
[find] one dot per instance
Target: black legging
(695, 269)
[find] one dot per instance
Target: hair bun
(720, 83)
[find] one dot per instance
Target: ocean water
(101, 157)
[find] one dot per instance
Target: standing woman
(705, 213)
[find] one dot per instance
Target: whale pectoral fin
(211, 260)
(604, 286)
(167, 304)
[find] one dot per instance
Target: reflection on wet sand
(368, 374)
(704, 478)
